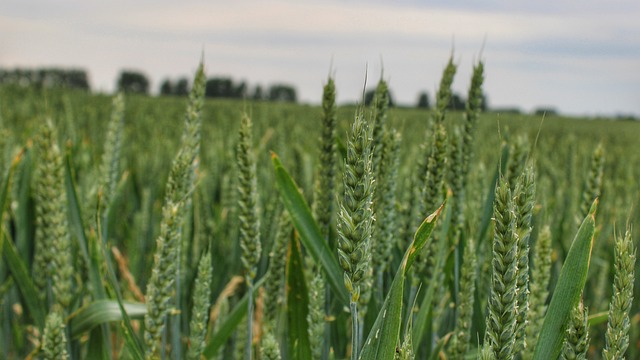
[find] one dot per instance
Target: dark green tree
(219, 87)
(548, 111)
(457, 103)
(258, 93)
(282, 92)
(370, 94)
(133, 82)
(423, 100)
(166, 87)
(181, 87)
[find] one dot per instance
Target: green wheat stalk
(274, 283)
(524, 196)
(405, 352)
(201, 303)
(501, 317)
(325, 192)
(164, 274)
(52, 264)
(576, 341)
(518, 153)
(110, 169)
(385, 209)
(241, 339)
(462, 148)
(486, 352)
(324, 204)
(355, 218)
(249, 218)
(269, 348)
(617, 336)
(539, 287)
(464, 314)
(54, 340)
(223, 312)
(472, 114)
(316, 316)
(380, 109)
(593, 187)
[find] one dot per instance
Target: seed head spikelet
(464, 313)
(325, 194)
(160, 289)
(434, 179)
(443, 96)
(456, 180)
(617, 337)
(164, 273)
(182, 174)
(274, 284)
(462, 149)
(501, 318)
(355, 218)
(576, 341)
(524, 198)
(517, 160)
(381, 107)
(200, 314)
(248, 201)
(249, 219)
(472, 112)
(355, 215)
(53, 263)
(386, 217)
(316, 316)
(110, 169)
(539, 286)
(269, 349)
(593, 186)
(486, 353)
(54, 340)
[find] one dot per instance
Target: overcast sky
(582, 57)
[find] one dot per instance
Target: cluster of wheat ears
(366, 272)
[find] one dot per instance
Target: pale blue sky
(580, 57)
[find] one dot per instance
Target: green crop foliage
(135, 226)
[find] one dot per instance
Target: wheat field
(164, 227)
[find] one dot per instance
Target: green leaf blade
(566, 295)
(228, 326)
(297, 304)
(385, 333)
(100, 312)
(309, 231)
(17, 266)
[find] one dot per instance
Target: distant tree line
(45, 78)
(457, 103)
(136, 82)
(227, 88)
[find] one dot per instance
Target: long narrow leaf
(228, 326)
(15, 263)
(566, 295)
(132, 342)
(297, 304)
(23, 280)
(423, 318)
(385, 333)
(100, 312)
(309, 231)
(77, 228)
